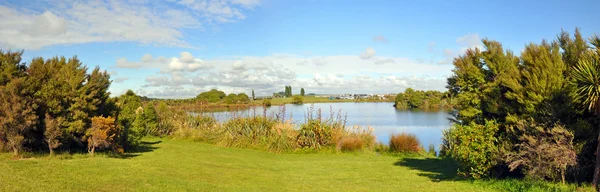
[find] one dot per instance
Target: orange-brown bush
(351, 143)
(405, 142)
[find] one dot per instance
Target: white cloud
(146, 22)
(380, 39)
(341, 74)
(185, 63)
(368, 54)
(380, 61)
(120, 79)
(469, 41)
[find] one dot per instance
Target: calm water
(382, 117)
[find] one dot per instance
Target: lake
(427, 125)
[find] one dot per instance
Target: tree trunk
(562, 175)
(597, 167)
(51, 150)
(92, 152)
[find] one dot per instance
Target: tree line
(422, 99)
(531, 115)
(56, 104)
(215, 96)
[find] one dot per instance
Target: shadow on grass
(144, 147)
(435, 168)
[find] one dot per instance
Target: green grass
(178, 165)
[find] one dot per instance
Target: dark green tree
(586, 78)
(253, 96)
(302, 91)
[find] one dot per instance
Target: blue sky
(179, 48)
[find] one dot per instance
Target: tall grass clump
(356, 139)
(318, 132)
(405, 143)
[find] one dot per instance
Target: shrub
(298, 99)
(267, 103)
(351, 143)
(542, 153)
(473, 146)
(316, 133)
(404, 143)
(101, 134)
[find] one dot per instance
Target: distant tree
(231, 98)
(253, 96)
(211, 96)
(53, 132)
(242, 98)
(302, 91)
(16, 114)
(102, 133)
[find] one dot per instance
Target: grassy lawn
(176, 165)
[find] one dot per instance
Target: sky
(180, 48)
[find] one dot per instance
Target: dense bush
(405, 143)
(473, 146)
(297, 99)
(267, 103)
(542, 153)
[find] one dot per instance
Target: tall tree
(253, 96)
(302, 91)
(586, 78)
(16, 114)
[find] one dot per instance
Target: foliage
(545, 83)
(473, 146)
(288, 91)
(297, 99)
(421, 99)
(585, 78)
(16, 115)
(102, 134)
(53, 132)
(130, 109)
(542, 153)
(266, 102)
(302, 91)
(405, 143)
(211, 96)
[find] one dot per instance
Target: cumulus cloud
(380, 39)
(368, 54)
(185, 63)
(146, 22)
